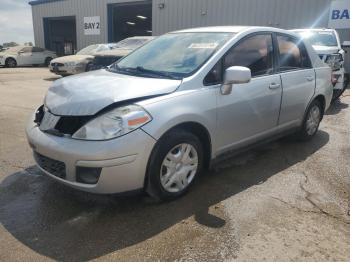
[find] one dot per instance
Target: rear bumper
(123, 161)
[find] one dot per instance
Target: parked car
(327, 44)
(76, 64)
(121, 49)
(25, 55)
(156, 118)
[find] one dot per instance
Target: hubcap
(12, 63)
(179, 168)
(313, 120)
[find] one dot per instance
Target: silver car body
(252, 112)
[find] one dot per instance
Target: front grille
(54, 167)
(57, 64)
(66, 125)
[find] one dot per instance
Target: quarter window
(292, 54)
(255, 52)
(27, 49)
(38, 49)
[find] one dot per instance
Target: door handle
(310, 78)
(274, 86)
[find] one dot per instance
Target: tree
(10, 44)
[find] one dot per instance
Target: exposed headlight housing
(113, 124)
(335, 61)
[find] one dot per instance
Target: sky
(16, 21)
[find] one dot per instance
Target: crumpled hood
(72, 58)
(88, 93)
(326, 50)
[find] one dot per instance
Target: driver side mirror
(235, 75)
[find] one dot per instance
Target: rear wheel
(175, 163)
(311, 122)
(10, 62)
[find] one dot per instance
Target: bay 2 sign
(92, 25)
(339, 16)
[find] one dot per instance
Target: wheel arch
(322, 100)
(194, 128)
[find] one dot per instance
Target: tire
(11, 63)
(337, 93)
(311, 122)
(47, 61)
(88, 67)
(163, 170)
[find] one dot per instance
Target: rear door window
(292, 54)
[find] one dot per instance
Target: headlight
(335, 61)
(115, 123)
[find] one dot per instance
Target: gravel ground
(286, 201)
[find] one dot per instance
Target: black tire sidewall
(162, 148)
(7, 63)
(303, 135)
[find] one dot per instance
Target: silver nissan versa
(155, 119)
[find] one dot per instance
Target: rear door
(298, 78)
(252, 108)
(38, 55)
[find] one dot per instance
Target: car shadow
(68, 225)
(51, 79)
(336, 107)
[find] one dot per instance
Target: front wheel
(311, 122)
(176, 161)
(11, 63)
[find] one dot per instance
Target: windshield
(131, 43)
(321, 38)
(174, 55)
(91, 49)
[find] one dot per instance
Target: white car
(326, 43)
(78, 63)
(25, 55)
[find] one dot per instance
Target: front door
(253, 108)
(25, 56)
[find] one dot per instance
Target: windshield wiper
(154, 72)
(142, 70)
